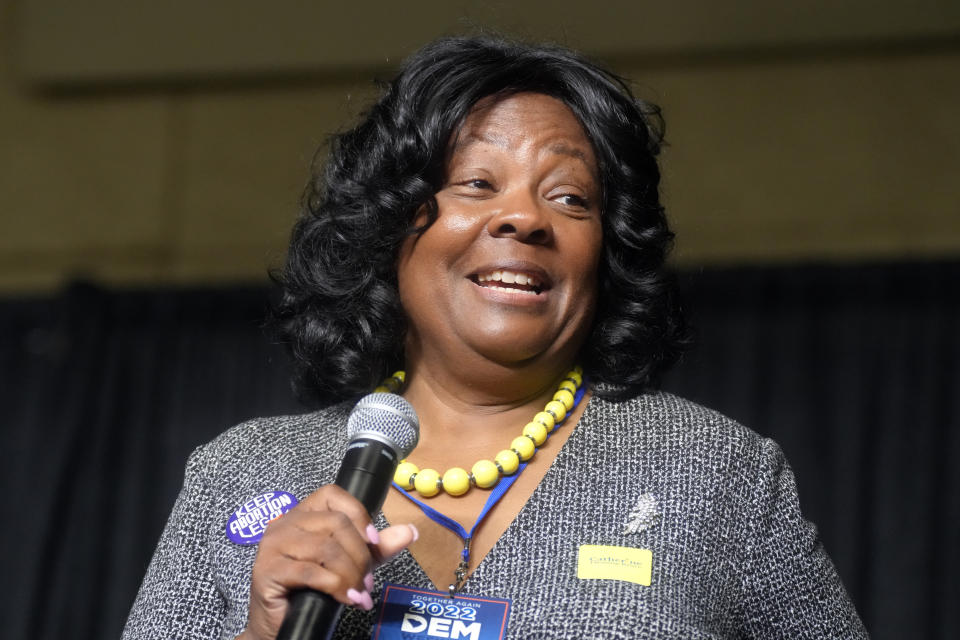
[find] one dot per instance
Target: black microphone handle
(365, 473)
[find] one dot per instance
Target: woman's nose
(522, 219)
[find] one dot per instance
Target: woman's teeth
(509, 277)
(522, 282)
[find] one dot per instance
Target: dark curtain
(853, 370)
(106, 395)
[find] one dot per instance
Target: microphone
(383, 428)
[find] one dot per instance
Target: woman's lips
(510, 287)
(512, 296)
(522, 279)
(506, 280)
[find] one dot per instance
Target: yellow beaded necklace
(485, 474)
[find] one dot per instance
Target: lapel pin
(643, 515)
(248, 522)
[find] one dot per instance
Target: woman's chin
(519, 337)
(513, 350)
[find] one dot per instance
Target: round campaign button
(248, 522)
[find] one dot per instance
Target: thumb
(393, 540)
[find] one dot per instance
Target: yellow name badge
(599, 562)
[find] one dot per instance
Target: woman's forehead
(506, 122)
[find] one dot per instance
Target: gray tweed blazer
(716, 504)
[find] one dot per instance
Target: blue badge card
(410, 614)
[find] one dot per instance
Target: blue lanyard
(445, 521)
(496, 493)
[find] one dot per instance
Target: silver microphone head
(388, 418)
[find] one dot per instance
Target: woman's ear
(425, 216)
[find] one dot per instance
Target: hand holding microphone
(320, 555)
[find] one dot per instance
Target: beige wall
(795, 137)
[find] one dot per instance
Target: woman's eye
(572, 200)
(478, 183)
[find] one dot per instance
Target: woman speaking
(489, 243)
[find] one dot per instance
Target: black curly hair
(340, 311)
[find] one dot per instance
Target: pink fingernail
(368, 581)
(416, 534)
(367, 601)
(354, 596)
(372, 534)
